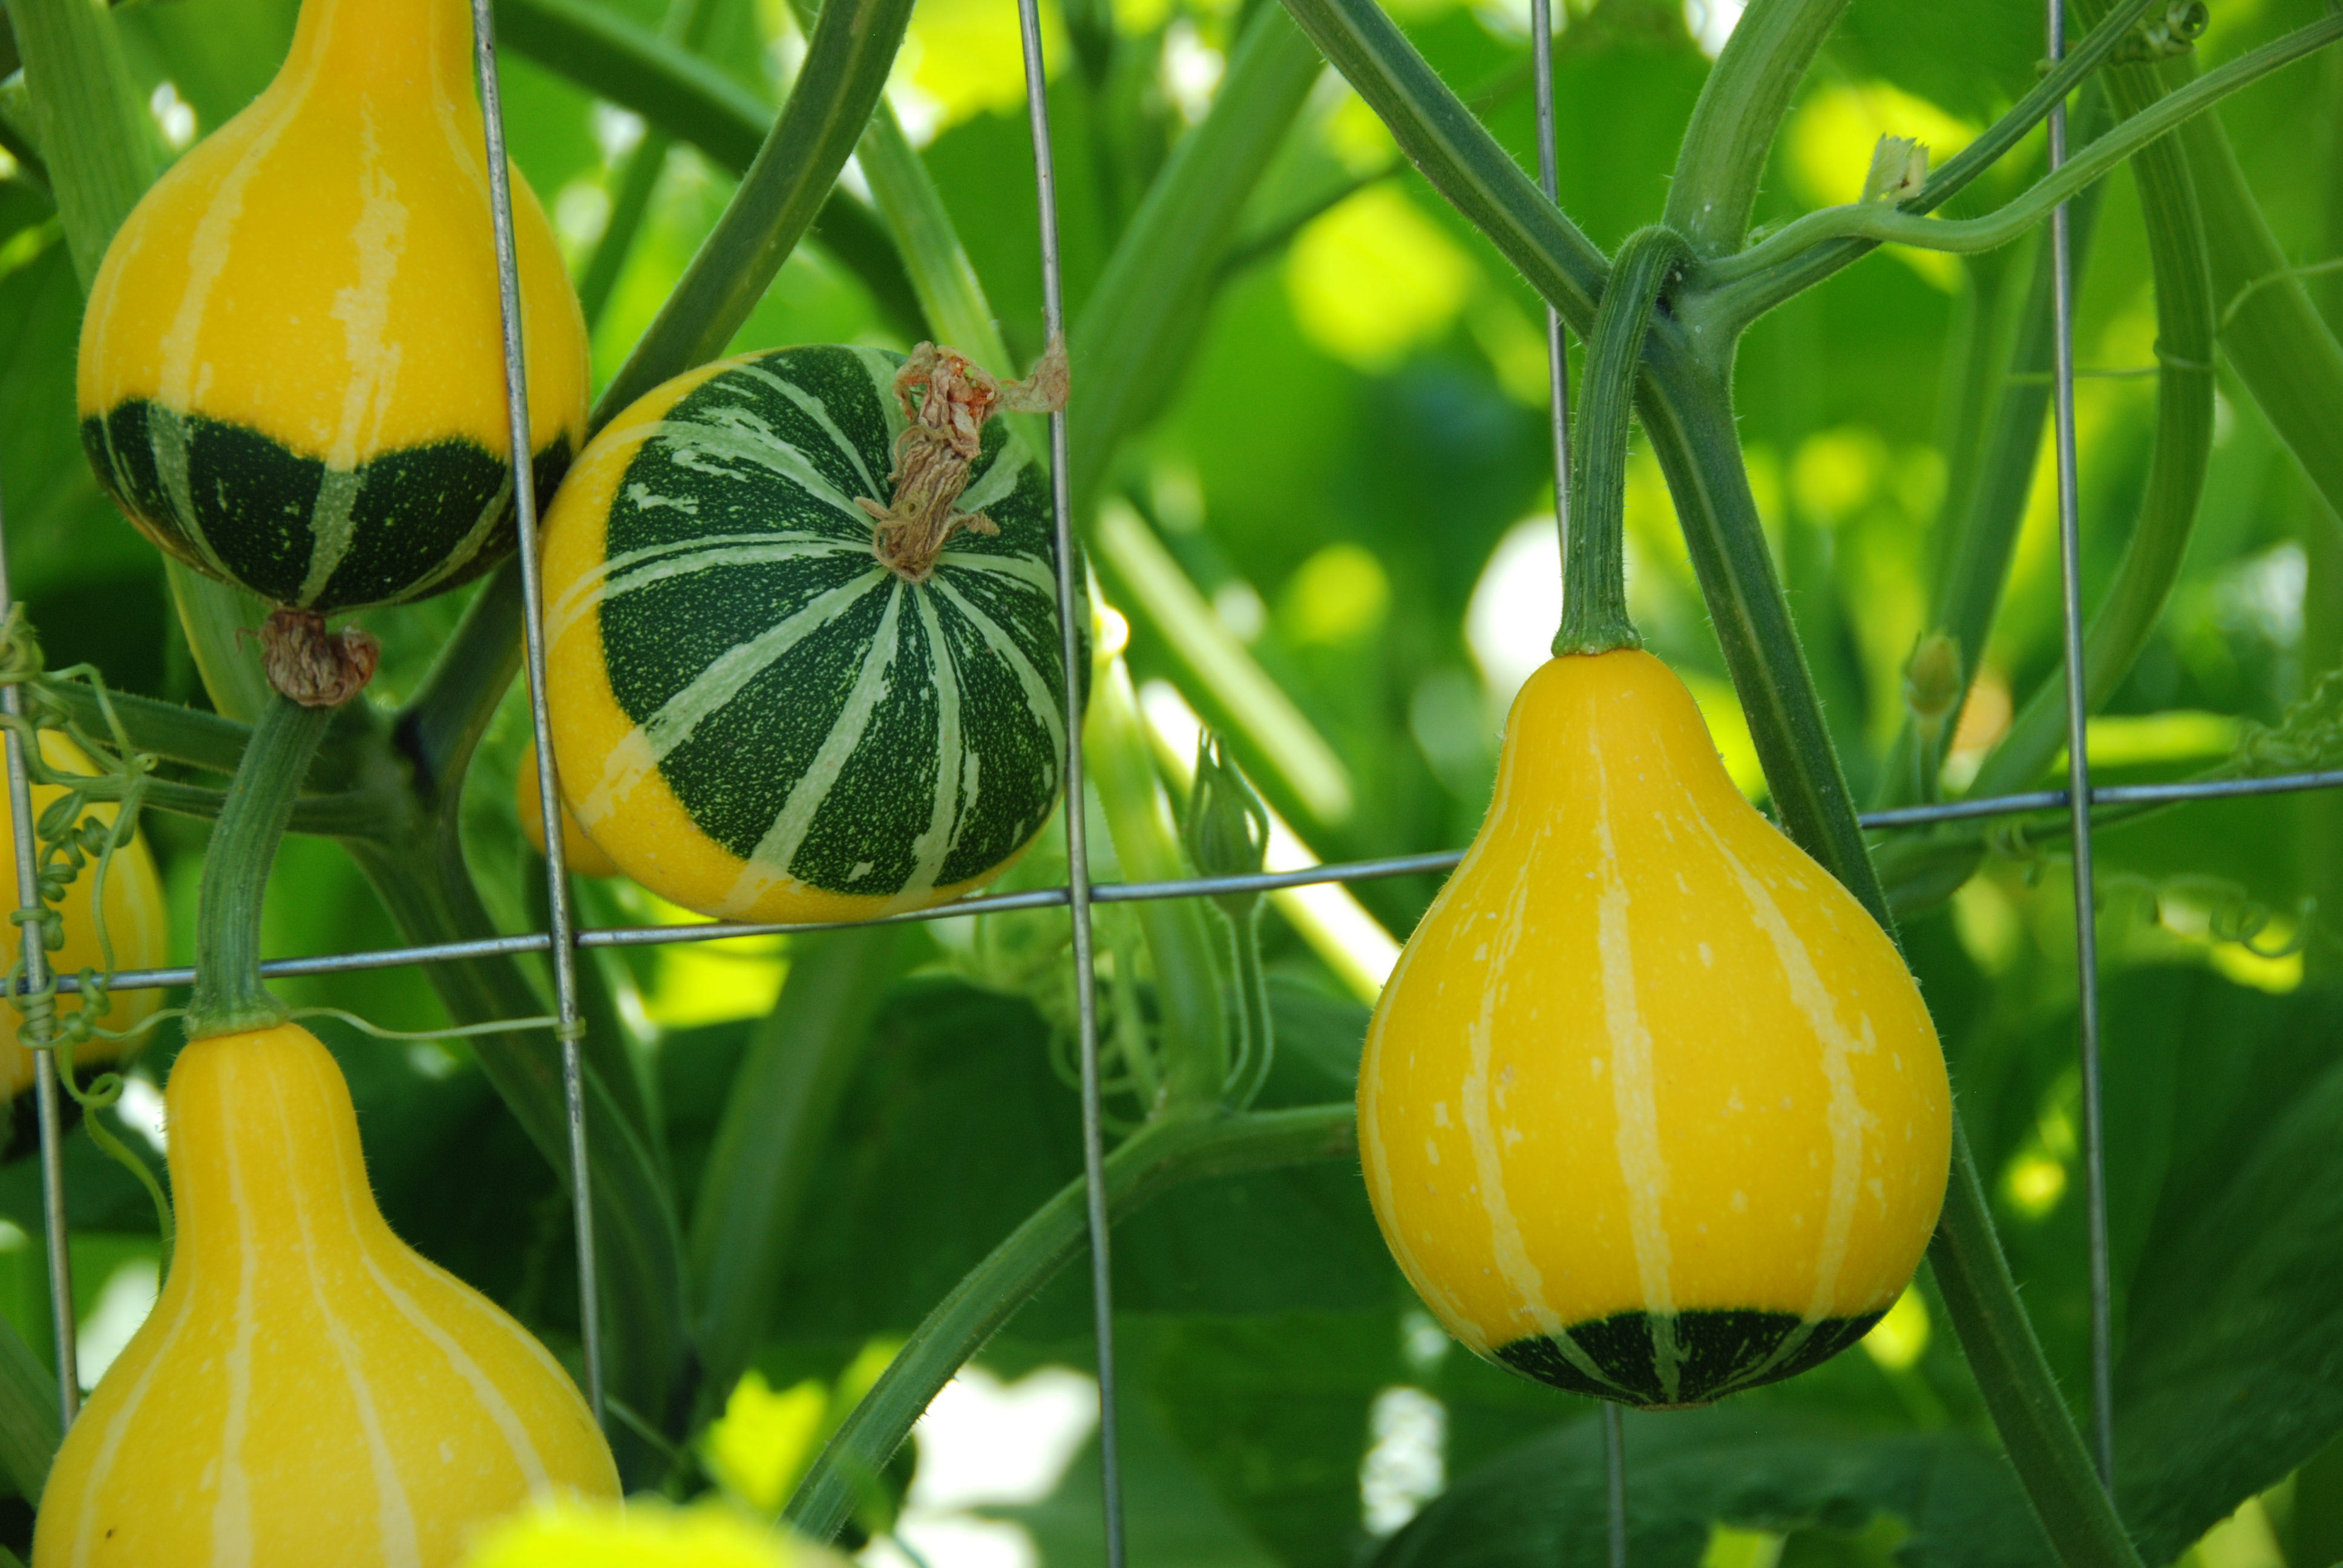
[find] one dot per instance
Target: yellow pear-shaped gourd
(136, 924)
(308, 1390)
(292, 365)
(1651, 1108)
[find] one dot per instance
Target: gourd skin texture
(580, 854)
(137, 921)
(1651, 1108)
(291, 370)
(307, 1388)
(754, 716)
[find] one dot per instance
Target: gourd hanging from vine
(802, 635)
(291, 371)
(291, 377)
(307, 1388)
(1651, 1108)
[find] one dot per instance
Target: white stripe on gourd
(649, 743)
(777, 848)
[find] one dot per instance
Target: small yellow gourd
(1651, 1108)
(579, 853)
(291, 370)
(308, 1390)
(137, 923)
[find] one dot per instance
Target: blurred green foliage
(1352, 469)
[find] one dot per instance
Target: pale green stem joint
(229, 998)
(1594, 571)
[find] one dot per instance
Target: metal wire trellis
(570, 1029)
(1073, 647)
(2078, 794)
(562, 940)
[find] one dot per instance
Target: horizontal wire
(1189, 888)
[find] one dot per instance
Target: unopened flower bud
(1932, 680)
(1227, 830)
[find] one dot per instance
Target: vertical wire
(1078, 861)
(1557, 360)
(2078, 793)
(58, 1238)
(564, 945)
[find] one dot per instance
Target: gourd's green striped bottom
(1652, 1360)
(823, 722)
(233, 502)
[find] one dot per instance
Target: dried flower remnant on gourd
(314, 666)
(941, 443)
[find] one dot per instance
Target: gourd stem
(1595, 573)
(229, 998)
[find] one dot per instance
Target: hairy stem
(229, 997)
(846, 64)
(1595, 573)
(2006, 1360)
(1883, 222)
(1741, 105)
(2126, 615)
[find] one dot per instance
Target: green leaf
(1542, 1504)
(1275, 1411)
(777, 1120)
(2231, 1372)
(29, 1428)
(1170, 1511)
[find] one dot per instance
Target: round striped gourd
(1651, 1108)
(308, 1389)
(291, 371)
(137, 924)
(753, 714)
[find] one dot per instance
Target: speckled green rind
(232, 502)
(1709, 1353)
(813, 712)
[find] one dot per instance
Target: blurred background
(1345, 496)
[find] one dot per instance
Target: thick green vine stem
(229, 998)
(1594, 570)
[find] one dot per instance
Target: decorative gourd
(579, 853)
(308, 1389)
(775, 698)
(137, 923)
(1651, 1108)
(292, 367)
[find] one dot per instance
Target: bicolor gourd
(137, 925)
(291, 371)
(307, 1388)
(798, 669)
(583, 857)
(1651, 1108)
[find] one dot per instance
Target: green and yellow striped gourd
(292, 367)
(755, 714)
